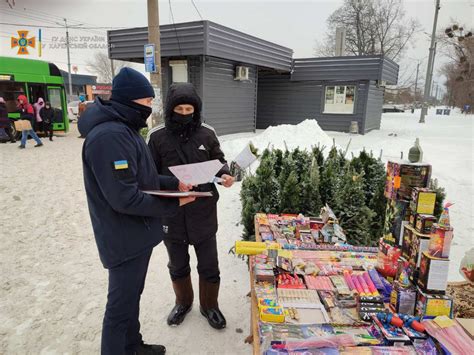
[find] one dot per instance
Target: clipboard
(177, 194)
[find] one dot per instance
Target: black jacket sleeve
(166, 182)
(120, 187)
(217, 153)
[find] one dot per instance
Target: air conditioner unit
(381, 83)
(241, 73)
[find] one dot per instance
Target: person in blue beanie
(127, 223)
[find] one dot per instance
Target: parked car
(392, 108)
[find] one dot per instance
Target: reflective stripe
(153, 130)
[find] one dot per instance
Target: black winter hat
(129, 85)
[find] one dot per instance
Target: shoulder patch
(153, 130)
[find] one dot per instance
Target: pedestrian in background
(27, 113)
(47, 115)
(5, 122)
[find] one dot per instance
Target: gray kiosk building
(248, 83)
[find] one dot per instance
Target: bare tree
(459, 71)
(101, 66)
(372, 27)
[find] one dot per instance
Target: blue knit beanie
(129, 85)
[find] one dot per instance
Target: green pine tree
(331, 174)
(267, 186)
(250, 206)
(353, 214)
(440, 196)
(290, 195)
(374, 174)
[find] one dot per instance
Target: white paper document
(245, 158)
(197, 173)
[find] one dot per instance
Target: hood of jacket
(107, 110)
(183, 93)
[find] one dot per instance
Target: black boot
(208, 293)
(148, 349)
(183, 290)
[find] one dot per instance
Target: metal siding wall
(224, 42)
(389, 71)
(373, 115)
(282, 101)
(128, 44)
(201, 38)
(229, 104)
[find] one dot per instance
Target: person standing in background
(5, 122)
(47, 115)
(38, 124)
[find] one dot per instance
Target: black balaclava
(182, 125)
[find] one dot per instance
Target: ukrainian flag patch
(120, 164)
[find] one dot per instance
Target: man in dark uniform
(184, 139)
(127, 222)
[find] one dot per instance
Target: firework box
(387, 259)
(424, 222)
(430, 306)
(402, 300)
(422, 200)
(419, 243)
(403, 177)
(396, 217)
(405, 271)
(433, 275)
(441, 238)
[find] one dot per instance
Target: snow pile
(303, 135)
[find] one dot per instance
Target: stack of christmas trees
(302, 182)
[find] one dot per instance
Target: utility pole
(68, 60)
(112, 70)
(429, 72)
(155, 78)
(416, 83)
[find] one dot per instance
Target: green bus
(35, 79)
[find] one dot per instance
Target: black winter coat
(4, 120)
(196, 221)
(47, 115)
(117, 166)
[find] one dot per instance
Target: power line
(197, 9)
(174, 26)
(76, 27)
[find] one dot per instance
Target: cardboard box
(424, 222)
(402, 300)
(403, 177)
(387, 259)
(440, 243)
(413, 245)
(423, 200)
(430, 306)
(397, 214)
(22, 125)
(433, 276)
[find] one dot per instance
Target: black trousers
(207, 261)
(121, 327)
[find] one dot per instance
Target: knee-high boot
(183, 290)
(208, 294)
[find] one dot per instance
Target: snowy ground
(53, 287)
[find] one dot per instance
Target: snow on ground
(447, 143)
(53, 287)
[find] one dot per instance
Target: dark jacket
(4, 120)
(117, 166)
(197, 221)
(47, 115)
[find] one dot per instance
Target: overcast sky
(294, 24)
